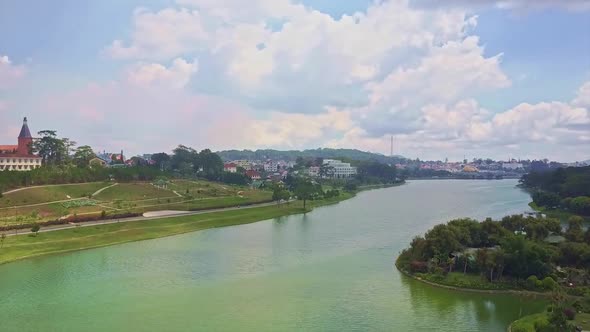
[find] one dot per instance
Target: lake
(328, 270)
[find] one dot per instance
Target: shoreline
(522, 293)
(24, 246)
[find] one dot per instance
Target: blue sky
(447, 81)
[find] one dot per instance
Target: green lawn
(583, 320)
(528, 323)
(555, 213)
(50, 194)
(26, 245)
(133, 192)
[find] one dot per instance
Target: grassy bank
(25, 246)
(539, 322)
(555, 213)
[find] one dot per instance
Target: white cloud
(289, 76)
(583, 96)
(9, 73)
(572, 5)
(161, 35)
(176, 76)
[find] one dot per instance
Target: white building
(340, 169)
(245, 164)
(230, 167)
(19, 157)
(512, 166)
(271, 167)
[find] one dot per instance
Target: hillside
(291, 155)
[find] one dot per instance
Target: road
(54, 228)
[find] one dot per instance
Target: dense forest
(564, 188)
(515, 252)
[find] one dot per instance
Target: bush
(532, 282)
(549, 284)
(417, 266)
(570, 313)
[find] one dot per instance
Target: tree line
(515, 248)
(564, 188)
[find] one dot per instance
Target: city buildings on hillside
(19, 157)
(339, 169)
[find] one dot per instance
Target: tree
(210, 163)
(54, 151)
(184, 155)
(2, 238)
(574, 231)
(82, 156)
(280, 194)
(161, 160)
(304, 191)
(35, 229)
(467, 257)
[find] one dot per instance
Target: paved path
(114, 221)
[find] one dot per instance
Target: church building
(19, 157)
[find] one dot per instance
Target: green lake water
(329, 270)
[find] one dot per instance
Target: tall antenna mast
(391, 149)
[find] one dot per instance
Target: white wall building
(19, 157)
(340, 169)
(271, 166)
(512, 166)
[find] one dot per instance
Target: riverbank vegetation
(26, 245)
(565, 190)
(515, 253)
(562, 315)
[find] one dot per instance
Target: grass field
(45, 203)
(133, 192)
(47, 194)
(26, 245)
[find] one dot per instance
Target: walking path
(52, 202)
(114, 221)
(103, 189)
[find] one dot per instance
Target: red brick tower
(24, 139)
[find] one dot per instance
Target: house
(230, 167)
(254, 175)
(97, 162)
(245, 164)
(19, 157)
(313, 171)
(112, 159)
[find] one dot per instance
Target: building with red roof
(230, 167)
(19, 157)
(252, 174)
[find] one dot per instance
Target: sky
(445, 79)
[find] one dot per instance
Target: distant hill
(348, 154)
